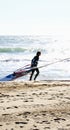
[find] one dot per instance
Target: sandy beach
(39, 105)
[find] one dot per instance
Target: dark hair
(38, 53)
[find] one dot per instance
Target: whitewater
(17, 51)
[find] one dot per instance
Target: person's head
(38, 53)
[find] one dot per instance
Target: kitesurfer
(34, 63)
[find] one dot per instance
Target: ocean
(17, 51)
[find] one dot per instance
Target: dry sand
(32, 105)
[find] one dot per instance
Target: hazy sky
(34, 17)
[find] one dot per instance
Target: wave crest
(19, 49)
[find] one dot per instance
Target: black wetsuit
(34, 63)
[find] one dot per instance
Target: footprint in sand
(2, 102)
(58, 119)
(1, 125)
(20, 123)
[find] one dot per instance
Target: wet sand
(42, 105)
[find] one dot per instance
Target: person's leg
(37, 70)
(31, 74)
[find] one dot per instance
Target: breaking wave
(19, 49)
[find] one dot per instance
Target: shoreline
(35, 105)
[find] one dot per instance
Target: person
(34, 63)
